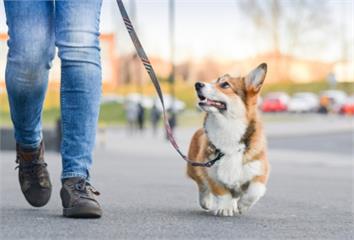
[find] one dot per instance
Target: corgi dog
(233, 127)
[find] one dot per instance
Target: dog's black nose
(199, 85)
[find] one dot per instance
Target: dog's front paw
(254, 192)
(226, 206)
(226, 212)
(207, 200)
(243, 206)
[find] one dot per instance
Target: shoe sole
(82, 212)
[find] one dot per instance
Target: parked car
(348, 107)
(335, 99)
(275, 102)
(303, 102)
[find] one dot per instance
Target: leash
(143, 57)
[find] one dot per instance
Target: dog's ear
(254, 80)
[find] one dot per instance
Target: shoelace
(83, 187)
(32, 168)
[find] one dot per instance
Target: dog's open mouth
(203, 101)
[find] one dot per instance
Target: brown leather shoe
(33, 176)
(78, 199)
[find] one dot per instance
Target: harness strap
(143, 57)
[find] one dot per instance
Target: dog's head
(231, 96)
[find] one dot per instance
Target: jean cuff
(74, 174)
(29, 146)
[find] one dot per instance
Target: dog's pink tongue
(210, 101)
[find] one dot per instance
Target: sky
(217, 29)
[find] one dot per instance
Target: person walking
(35, 28)
(141, 116)
(131, 113)
(172, 119)
(155, 118)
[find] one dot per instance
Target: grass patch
(49, 117)
(111, 113)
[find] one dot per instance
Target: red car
(275, 102)
(348, 107)
(273, 105)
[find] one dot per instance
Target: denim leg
(31, 50)
(77, 39)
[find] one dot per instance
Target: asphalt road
(339, 143)
(146, 195)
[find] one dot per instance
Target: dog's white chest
(231, 172)
(226, 134)
(228, 170)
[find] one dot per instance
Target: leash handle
(145, 60)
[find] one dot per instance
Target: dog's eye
(224, 85)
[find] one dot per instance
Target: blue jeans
(35, 28)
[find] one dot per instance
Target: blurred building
(131, 69)
(117, 70)
(344, 71)
(281, 68)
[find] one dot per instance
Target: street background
(307, 104)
